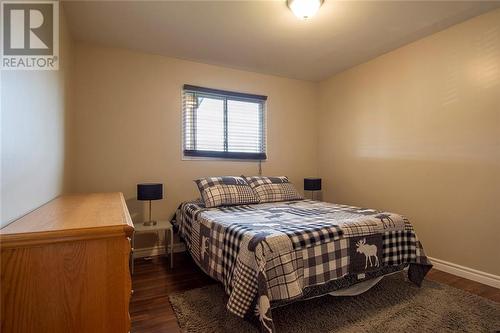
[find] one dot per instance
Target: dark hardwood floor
(464, 284)
(153, 281)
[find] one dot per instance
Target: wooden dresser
(65, 267)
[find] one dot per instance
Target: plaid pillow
(225, 191)
(272, 189)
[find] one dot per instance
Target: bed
(268, 255)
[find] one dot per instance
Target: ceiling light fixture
(304, 9)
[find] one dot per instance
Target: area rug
(393, 305)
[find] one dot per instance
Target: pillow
(224, 191)
(272, 189)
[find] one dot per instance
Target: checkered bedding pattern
(273, 189)
(325, 262)
(220, 191)
(274, 252)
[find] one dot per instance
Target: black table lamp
(149, 192)
(312, 184)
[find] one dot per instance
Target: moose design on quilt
(365, 253)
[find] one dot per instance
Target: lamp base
(312, 194)
(149, 223)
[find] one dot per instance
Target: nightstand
(160, 226)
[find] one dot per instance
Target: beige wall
(417, 131)
(33, 134)
(128, 125)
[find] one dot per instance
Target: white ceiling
(264, 36)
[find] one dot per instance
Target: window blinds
(223, 124)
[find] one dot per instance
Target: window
(223, 124)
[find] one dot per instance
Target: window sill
(219, 159)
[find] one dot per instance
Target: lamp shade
(312, 184)
(149, 191)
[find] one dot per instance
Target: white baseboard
(157, 250)
(466, 272)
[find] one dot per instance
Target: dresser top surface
(72, 215)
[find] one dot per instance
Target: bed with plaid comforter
(268, 255)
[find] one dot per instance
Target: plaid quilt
(273, 253)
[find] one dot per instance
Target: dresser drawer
(68, 281)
